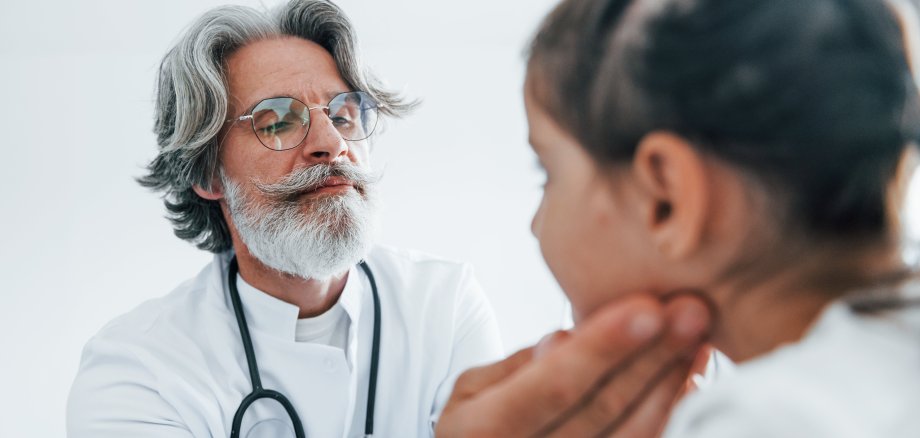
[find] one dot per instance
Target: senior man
(300, 325)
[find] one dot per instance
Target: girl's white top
(852, 375)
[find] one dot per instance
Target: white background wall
(82, 243)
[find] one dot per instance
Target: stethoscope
(258, 392)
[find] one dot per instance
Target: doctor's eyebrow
(327, 96)
(299, 95)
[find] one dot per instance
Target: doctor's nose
(324, 143)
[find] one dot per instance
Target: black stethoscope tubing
(258, 392)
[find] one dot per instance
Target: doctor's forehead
(286, 66)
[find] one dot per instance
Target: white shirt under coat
(175, 366)
(852, 376)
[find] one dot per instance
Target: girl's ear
(674, 177)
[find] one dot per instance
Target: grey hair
(192, 101)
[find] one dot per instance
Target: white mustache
(307, 179)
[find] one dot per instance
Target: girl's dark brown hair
(813, 98)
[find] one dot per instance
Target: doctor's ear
(213, 193)
(672, 176)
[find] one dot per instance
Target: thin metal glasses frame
(251, 117)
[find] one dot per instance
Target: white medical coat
(175, 366)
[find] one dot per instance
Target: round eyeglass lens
(354, 115)
(280, 123)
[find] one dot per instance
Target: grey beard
(313, 239)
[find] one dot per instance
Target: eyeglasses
(282, 123)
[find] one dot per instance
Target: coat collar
(269, 315)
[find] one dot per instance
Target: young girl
(755, 151)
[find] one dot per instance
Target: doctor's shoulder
(421, 279)
(158, 323)
(117, 389)
(184, 302)
(440, 295)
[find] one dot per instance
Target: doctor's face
(297, 193)
(294, 68)
(589, 232)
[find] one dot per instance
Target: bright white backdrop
(82, 243)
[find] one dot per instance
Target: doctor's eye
(275, 128)
(341, 120)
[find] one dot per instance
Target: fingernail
(644, 325)
(691, 320)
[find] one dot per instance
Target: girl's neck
(758, 317)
